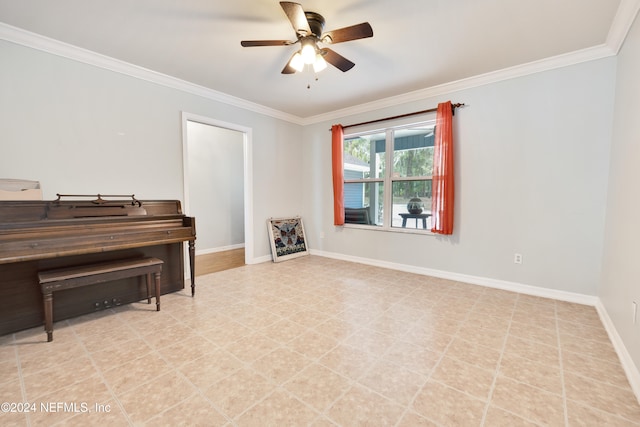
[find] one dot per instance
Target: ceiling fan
(308, 27)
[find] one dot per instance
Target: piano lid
(28, 211)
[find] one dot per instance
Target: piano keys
(43, 235)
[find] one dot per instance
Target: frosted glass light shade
(308, 53)
(297, 63)
(320, 64)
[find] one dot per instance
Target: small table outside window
(422, 216)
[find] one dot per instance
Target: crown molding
(65, 50)
(559, 61)
(622, 22)
(627, 12)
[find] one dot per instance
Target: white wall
(79, 129)
(216, 185)
(621, 267)
(532, 156)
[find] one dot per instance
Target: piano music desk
(85, 275)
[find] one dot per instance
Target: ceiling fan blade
(337, 60)
(354, 32)
(296, 15)
(250, 43)
(288, 69)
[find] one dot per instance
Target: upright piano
(42, 235)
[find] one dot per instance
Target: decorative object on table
(415, 206)
(287, 238)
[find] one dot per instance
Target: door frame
(247, 149)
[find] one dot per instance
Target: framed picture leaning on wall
(287, 238)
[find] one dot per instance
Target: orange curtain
(337, 149)
(442, 185)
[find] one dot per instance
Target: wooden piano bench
(85, 275)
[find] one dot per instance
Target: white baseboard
(220, 249)
(633, 375)
(474, 280)
(260, 260)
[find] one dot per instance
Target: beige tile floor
(315, 341)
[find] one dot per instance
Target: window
(399, 159)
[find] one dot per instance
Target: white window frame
(388, 179)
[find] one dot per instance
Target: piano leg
(157, 277)
(192, 262)
(148, 280)
(48, 315)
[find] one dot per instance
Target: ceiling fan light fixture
(309, 30)
(319, 64)
(297, 63)
(308, 52)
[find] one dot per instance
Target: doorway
(217, 191)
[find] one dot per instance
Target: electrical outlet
(517, 258)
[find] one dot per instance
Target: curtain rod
(430, 110)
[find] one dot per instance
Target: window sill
(407, 230)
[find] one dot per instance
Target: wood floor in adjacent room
(219, 261)
(321, 342)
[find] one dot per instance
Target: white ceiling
(417, 44)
